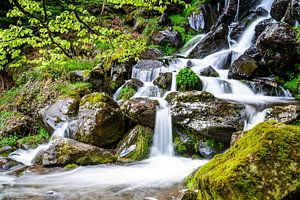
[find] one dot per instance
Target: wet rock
(140, 111)
(206, 151)
(284, 113)
(253, 53)
(258, 155)
(278, 46)
(65, 151)
(279, 8)
(225, 60)
(61, 111)
(120, 72)
(261, 26)
(244, 68)
(211, 43)
(100, 121)
(148, 64)
(134, 83)
(136, 144)
(209, 71)
(7, 163)
(203, 115)
(266, 87)
(13, 123)
(164, 81)
(210, 16)
(166, 36)
(292, 15)
(151, 54)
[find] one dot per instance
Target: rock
(202, 115)
(100, 121)
(292, 15)
(209, 71)
(211, 43)
(134, 83)
(210, 16)
(65, 151)
(120, 72)
(61, 111)
(206, 151)
(148, 64)
(13, 123)
(279, 8)
(253, 53)
(236, 136)
(7, 163)
(261, 26)
(243, 68)
(140, 111)
(284, 113)
(164, 20)
(166, 36)
(80, 75)
(164, 81)
(261, 165)
(278, 46)
(266, 87)
(151, 54)
(136, 144)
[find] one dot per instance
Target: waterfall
(28, 157)
(162, 141)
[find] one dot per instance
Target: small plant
(4, 116)
(217, 145)
(186, 80)
(41, 137)
(178, 20)
(126, 93)
(10, 140)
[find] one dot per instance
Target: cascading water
(162, 169)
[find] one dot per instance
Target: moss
(71, 166)
(213, 143)
(262, 164)
(186, 80)
(95, 98)
(126, 93)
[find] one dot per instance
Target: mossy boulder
(13, 123)
(187, 80)
(136, 144)
(62, 110)
(263, 164)
(64, 151)
(164, 81)
(244, 67)
(100, 121)
(140, 111)
(200, 114)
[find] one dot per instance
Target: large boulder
(284, 113)
(244, 67)
(120, 72)
(166, 37)
(151, 54)
(202, 115)
(266, 87)
(209, 71)
(278, 46)
(100, 121)
(61, 111)
(263, 164)
(140, 111)
(279, 8)
(63, 151)
(292, 14)
(136, 144)
(211, 43)
(164, 81)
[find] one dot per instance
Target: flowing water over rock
(144, 179)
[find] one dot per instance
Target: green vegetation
(262, 164)
(126, 93)
(217, 145)
(293, 82)
(186, 80)
(10, 140)
(4, 116)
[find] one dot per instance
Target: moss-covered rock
(263, 164)
(13, 123)
(64, 151)
(164, 81)
(187, 80)
(100, 121)
(136, 144)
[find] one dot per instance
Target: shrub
(126, 93)
(186, 80)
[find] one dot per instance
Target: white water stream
(162, 169)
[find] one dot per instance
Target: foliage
(178, 20)
(73, 89)
(9, 96)
(4, 116)
(211, 142)
(158, 5)
(293, 81)
(194, 7)
(10, 140)
(126, 93)
(41, 136)
(151, 26)
(186, 79)
(40, 37)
